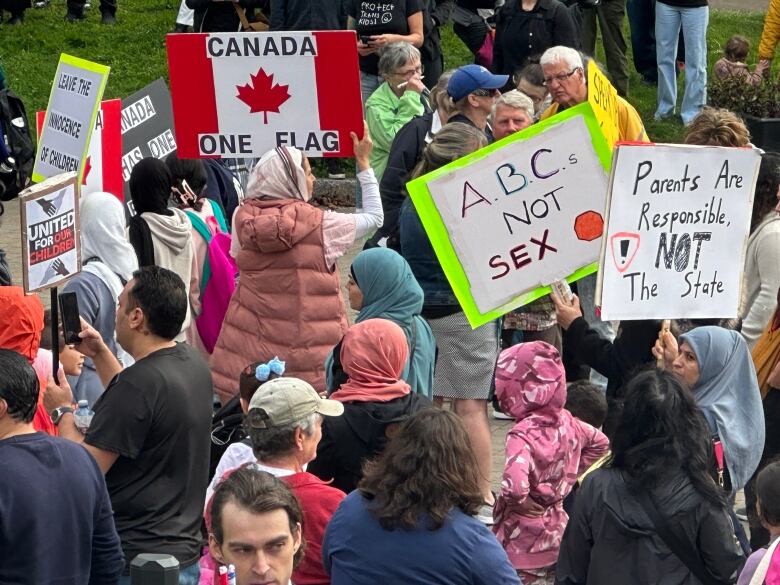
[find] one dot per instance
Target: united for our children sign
(51, 246)
(70, 117)
(241, 94)
(509, 220)
(677, 226)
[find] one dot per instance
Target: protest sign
(70, 117)
(677, 224)
(103, 167)
(511, 218)
(147, 129)
(603, 98)
(242, 94)
(51, 246)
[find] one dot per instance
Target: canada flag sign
(241, 94)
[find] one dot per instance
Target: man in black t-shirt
(150, 432)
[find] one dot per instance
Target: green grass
(135, 51)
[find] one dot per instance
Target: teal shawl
(390, 291)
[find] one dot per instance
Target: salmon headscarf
(279, 174)
(21, 323)
(373, 355)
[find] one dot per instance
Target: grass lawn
(135, 51)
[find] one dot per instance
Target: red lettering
(496, 262)
(543, 245)
(519, 257)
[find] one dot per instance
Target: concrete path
(748, 5)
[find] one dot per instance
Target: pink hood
(530, 379)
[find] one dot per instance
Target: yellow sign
(603, 98)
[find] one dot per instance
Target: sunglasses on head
(482, 92)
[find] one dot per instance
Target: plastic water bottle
(83, 416)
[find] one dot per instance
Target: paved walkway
(749, 5)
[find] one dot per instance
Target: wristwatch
(56, 414)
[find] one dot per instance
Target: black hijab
(150, 192)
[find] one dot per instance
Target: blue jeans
(668, 22)
(187, 576)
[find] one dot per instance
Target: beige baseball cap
(284, 401)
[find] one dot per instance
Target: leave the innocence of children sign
(242, 94)
(70, 117)
(51, 247)
(678, 221)
(518, 215)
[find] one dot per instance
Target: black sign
(147, 129)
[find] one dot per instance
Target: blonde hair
(717, 127)
(440, 98)
(452, 142)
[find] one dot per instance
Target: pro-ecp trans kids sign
(518, 215)
(242, 94)
(51, 246)
(677, 227)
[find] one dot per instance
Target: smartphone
(365, 39)
(69, 313)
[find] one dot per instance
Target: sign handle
(55, 336)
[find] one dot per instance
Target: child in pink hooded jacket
(546, 451)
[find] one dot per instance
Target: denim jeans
(641, 19)
(187, 576)
(668, 22)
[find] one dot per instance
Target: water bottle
(83, 416)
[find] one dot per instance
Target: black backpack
(227, 427)
(16, 143)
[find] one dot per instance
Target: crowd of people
(240, 419)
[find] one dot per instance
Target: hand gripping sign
(242, 94)
(677, 225)
(514, 217)
(70, 117)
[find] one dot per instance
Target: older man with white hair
(512, 112)
(567, 81)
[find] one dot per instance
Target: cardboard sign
(147, 129)
(602, 97)
(103, 167)
(510, 219)
(70, 117)
(677, 226)
(51, 243)
(242, 94)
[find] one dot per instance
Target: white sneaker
(485, 514)
(498, 415)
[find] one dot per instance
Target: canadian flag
(103, 168)
(241, 94)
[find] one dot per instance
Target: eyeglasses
(482, 92)
(409, 72)
(561, 77)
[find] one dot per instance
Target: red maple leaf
(87, 168)
(262, 94)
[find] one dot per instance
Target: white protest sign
(677, 226)
(51, 246)
(525, 215)
(70, 117)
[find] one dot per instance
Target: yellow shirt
(629, 123)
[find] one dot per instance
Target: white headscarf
(279, 174)
(103, 236)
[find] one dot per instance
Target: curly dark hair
(663, 431)
(427, 469)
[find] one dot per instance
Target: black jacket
(521, 34)
(610, 539)
(213, 16)
(405, 153)
(308, 15)
(358, 434)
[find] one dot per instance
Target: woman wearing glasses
(396, 101)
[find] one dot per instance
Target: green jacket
(386, 113)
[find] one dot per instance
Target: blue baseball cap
(470, 78)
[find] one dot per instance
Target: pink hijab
(373, 355)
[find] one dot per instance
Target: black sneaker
(108, 18)
(74, 16)
(41, 3)
(15, 19)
